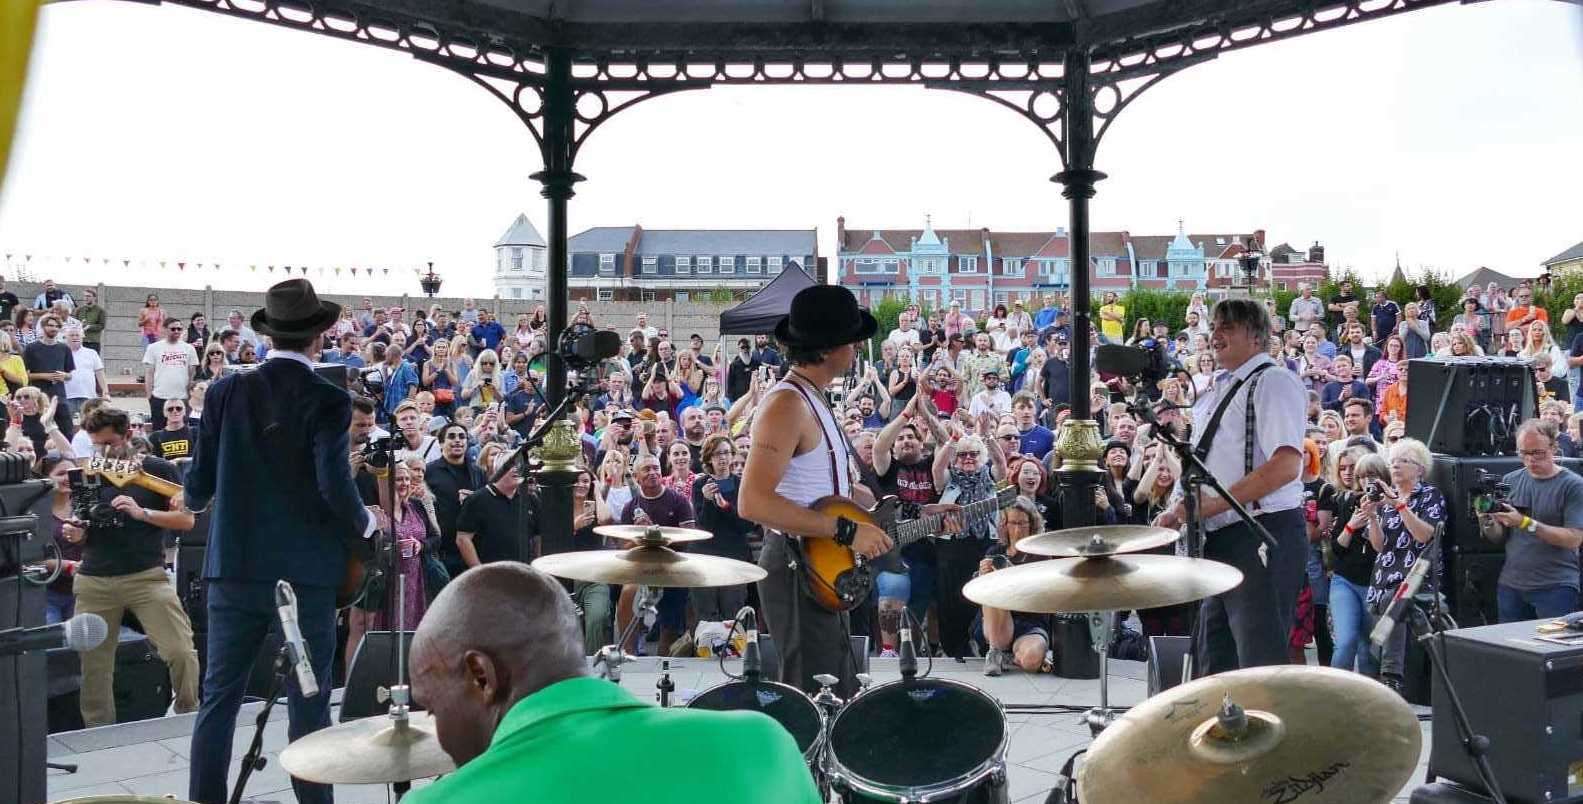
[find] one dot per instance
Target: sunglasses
(455, 436)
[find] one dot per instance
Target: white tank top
(807, 476)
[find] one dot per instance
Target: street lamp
(1251, 257)
(430, 282)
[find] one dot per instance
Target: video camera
(86, 505)
(1488, 492)
(1147, 361)
(376, 453)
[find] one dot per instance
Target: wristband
(845, 531)
(1346, 530)
(1525, 523)
(1400, 507)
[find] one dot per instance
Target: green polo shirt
(585, 738)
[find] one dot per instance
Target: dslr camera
(1374, 493)
(1488, 492)
(86, 505)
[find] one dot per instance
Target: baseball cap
(621, 414)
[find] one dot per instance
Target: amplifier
(1534, 723)
(1469, 405)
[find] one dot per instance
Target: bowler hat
(824, 317)
(293, 310)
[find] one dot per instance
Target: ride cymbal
(649, 566)
(1311, 734)
(1099, 540)
(1113, 583)
(652, 535)
(374, 750)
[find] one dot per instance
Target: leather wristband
(845, 531)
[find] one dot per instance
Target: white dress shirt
(1282, 402)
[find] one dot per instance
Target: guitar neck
(912, 530)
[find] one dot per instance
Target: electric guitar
(123, 473)
(840, 579)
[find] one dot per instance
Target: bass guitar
(840, 579)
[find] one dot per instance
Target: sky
(1452, 136)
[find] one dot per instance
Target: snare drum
(924, 740)
(786, 704)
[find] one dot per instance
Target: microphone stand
(254, 758)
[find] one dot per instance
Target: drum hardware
(664, 687)
(803, 718)
(1102, 625)
(645, 608)
(1281, 733)
(826, 699)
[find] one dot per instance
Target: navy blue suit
(272, 456)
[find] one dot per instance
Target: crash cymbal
(1313, 735)
(1099, 540)
(374, 750)
(1102, 584)
(649, 566)
(652, 534)
(122, 799)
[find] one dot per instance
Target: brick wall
(123, 345)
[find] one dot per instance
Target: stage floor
(150, 757)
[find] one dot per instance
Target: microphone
(1400, 602)
(81, 633)
(297, 650)
(907, 655)
(752, 664)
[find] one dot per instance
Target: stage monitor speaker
(373, 667)
(24, 693)
(1471, 579)
(1469, 405)
(1534, 721)
(1167, 656)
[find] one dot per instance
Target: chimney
(840, 233)
(1316, 253)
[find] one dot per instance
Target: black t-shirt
(134, 546)
(8, 303)
(447, 480)
(1058, 381)
(41, 356)
(173, 444)
(1355, 562)
(1342, 299)
(1559, 389)
(729, 528)
(492, 519)
(913, 483)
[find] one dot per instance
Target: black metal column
(558, 180)
(1079, 443)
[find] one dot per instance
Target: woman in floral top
(681, 476)
(1401, 526)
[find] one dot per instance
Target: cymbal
(374, 750)
(649, 566)
(1102, 584)
(122, 799)
(1314, 735)
(652, 534)
(1099, 540)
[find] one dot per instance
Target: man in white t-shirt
(993, 399)
(168, 366)
(87, 376)
(906, 331)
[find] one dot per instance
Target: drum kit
(1284, 733)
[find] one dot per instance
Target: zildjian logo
(1293, 788)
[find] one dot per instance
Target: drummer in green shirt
(498, 660)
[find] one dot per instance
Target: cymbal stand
(664, 687)
(645, 608)
(1101, 626)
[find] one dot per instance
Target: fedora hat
(293, 310)
(823, 317)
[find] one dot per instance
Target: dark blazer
(272, 456)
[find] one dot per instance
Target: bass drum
(786, 704)
(923, 740)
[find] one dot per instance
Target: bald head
(495, 635)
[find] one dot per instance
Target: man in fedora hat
(271, 457)
(800, 455)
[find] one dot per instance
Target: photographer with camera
(123, 568)
(1344, 520)
(1403, 516)
(391, 381)
(1543, 520)
(661, 390)
(1011, 638)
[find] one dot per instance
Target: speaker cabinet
(1167, 655)
(1469, 405)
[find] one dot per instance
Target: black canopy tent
(767, 306)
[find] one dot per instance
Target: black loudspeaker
(373, 666)
(23, 694)
(1073, 639)
(1469, 405)
(1526, 696)
(1167, 655)
(1470, 587)
(142, 681)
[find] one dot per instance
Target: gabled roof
(1151, 247)
(967, 242)
(1220, 245)
(793, 242)
(1283, 250)
(876, 245)
(1573, 253)
(601, 239)
(1483, 276)
(1057, 246)
(1017, 245)
(521, 233)
(1107, 244)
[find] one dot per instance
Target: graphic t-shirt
(913, 484)
(173, 444)
(171, 362)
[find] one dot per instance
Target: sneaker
(887, 653)
(995, 662)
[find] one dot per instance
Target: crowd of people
(949, 407)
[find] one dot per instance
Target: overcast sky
(1453, 135)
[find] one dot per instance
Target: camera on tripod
(1147, 361)
(1488, 492)
(373, 380)
(86, 505)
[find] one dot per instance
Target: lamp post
(1251, 257)
(430, 282)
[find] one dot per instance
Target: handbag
(444, 396)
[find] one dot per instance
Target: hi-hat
(1099, 540)
(652, 534)
(1102, 584)
(649, 566)
(1295, 733)
(373, 750)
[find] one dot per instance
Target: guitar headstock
(119, 472)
